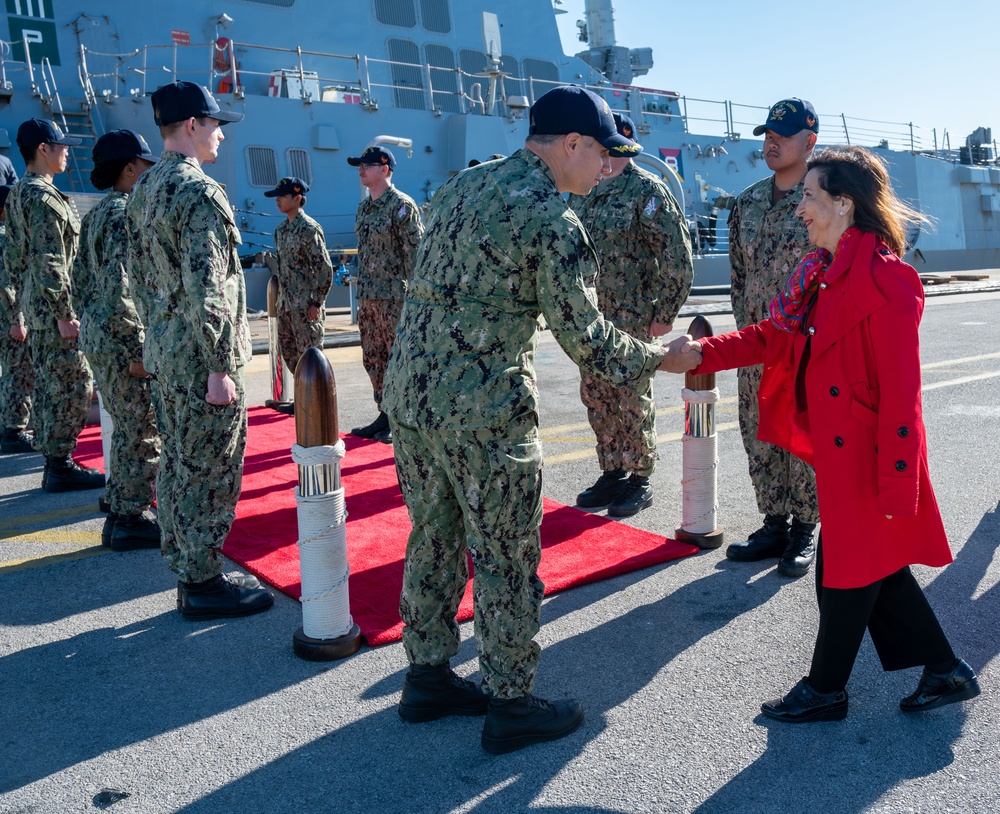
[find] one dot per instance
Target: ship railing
(140, 72)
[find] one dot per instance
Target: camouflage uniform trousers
(16, 382)
(624, 422)
(377, 321)
(135, 443)
(474, 492)
(200, 474)
(296, 334)
(62, 395)
(785, 485)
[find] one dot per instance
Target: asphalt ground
(104, 688)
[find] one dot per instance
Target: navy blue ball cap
(788, 117)
(117, 144)
(4, 192)
(42, 131)
(625, 127)
(288, 186)
(180, 101)
(572, 109)
(378, 156)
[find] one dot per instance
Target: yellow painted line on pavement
(582, 454)
(38, 562)
(552, 433)
(20, 522)
(55, 537)
(961, 361)
(963, 380)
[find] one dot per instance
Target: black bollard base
(704, 541)
(326, 649)
(286, 407)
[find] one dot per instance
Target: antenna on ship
(619, 65)
(491, 40)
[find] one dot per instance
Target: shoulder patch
(404, 210)
(652, 206)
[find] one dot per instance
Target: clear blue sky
(934, 65)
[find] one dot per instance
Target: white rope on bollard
(323, 550)
(700, 464)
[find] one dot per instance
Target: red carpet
(577, 547)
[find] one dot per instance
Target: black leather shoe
(770, 540)
(109, 526)
(937, 689)
(15, 441)
(385, 436)
(638, 495)
(432, 691)
(380, 424)
(800, 551)
(608, 487)
(518, 722)
(134, 532)
(66, 475)
(221, 597)
(803, 704)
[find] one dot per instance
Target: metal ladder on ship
(76, 123)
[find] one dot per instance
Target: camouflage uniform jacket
(304, 268)
(766, 243)
(183, 253)
(502, 247)
(388, 230)
(44, 233)
(108, 322)
(644, 246)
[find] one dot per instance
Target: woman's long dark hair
(860, 175)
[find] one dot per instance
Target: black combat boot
(770, 540)
(384, 436)
(132, 532)
(800, 551)
(518, 722)
(63, 474)
(432, 691)
(222, 597)
(638, 495)
(380, 424)
(608, 487)
(15, 441)
(109, 527)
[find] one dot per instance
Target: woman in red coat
(841, 390)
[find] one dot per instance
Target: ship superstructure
(441, 82)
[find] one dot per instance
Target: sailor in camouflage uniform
(389, 228)
(766, 242)
(502, 248)
(111, 336)
(646, 273)
(17, 378)
(183, 244)
(305, 272)
(44, 230)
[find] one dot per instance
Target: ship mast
(619, 64)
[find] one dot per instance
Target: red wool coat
(857, 415)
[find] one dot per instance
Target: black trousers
(894, 610)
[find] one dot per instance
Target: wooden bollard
(316, 426)
(699, 454)
(282, 381)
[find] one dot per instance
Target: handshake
(683, 354)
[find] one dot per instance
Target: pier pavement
(105, 691)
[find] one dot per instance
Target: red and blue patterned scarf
(790, 309)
